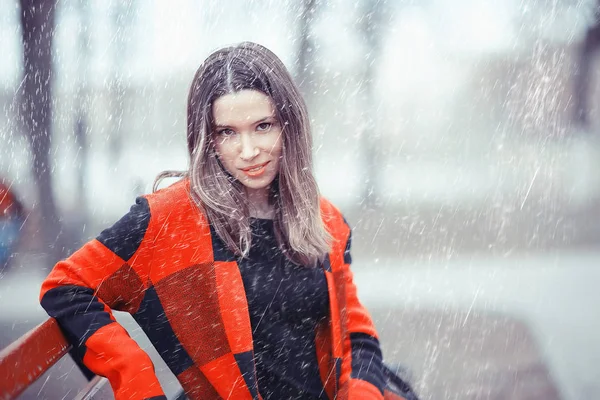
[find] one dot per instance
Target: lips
(254, 168)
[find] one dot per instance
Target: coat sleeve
(107, 273)
(361, 374)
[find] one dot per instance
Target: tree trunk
(37, 22)
(305, 58)
(81, 114)
(123, 14)
(369, 26)
(583, 73)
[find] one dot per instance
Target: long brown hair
(294, 193)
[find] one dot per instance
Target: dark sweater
(285, 301)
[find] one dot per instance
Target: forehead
(242, 107)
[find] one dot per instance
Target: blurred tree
(37, 25)
(123, 14)
(304, 65)
(81, 110)
(370, 24)
(590, 45)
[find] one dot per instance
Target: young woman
(240, 272)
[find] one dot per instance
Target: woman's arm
(107, 272)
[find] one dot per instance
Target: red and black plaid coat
(163, 264)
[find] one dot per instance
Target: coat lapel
(233, 308)
(235, 317)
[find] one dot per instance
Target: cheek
(277, 151)
(276, 145)
(224, 147)
(223, 153)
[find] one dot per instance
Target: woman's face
(248, 137)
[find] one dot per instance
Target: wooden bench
(30, 356)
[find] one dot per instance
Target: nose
(249, 150)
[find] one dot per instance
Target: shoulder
(177, 193)
(161, 213)
(333, 219)
(172, 209)
(173, 202)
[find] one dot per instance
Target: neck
(258, 202)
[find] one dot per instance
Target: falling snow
(459, 138)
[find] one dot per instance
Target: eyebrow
(218, 126)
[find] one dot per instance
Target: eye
(225, 132)
(265, 126)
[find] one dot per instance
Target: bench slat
(26, 359)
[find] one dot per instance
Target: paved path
(555, 296)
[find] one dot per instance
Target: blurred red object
(12, 218)
(10, 206)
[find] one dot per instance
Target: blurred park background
(461, 138)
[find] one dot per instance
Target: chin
(257, 184)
